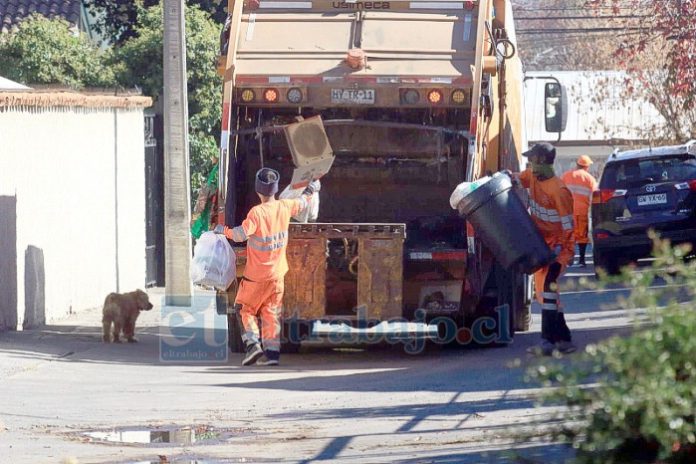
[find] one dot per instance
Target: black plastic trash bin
(501, 221)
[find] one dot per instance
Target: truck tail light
(294, 95)
(410, 96)
(604, 195)
(601, 235)
(270, 95)
(435, 97)
(458, 97)
(248, 95)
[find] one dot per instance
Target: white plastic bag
(464, 189)
(214, 263)
(311, 213)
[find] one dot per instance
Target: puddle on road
(158, 436)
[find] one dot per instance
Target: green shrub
(633, 398)
(47, 51)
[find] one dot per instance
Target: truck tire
(522, 302)
(499, 291)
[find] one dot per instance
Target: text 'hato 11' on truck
(414, 97)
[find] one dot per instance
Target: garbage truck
(409, 99)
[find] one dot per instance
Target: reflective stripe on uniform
(545, 214)
(567, 222)
(580, 190)
(549, 306)
(271, 345)
(268, 243)
(550, 296)
(250, 336)
(271, 247)
(269, 239)
(238, 234)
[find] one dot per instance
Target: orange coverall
(581, 184)
(261, 291)
(551, 206)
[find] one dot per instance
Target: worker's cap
(267, 182)
(543, 153)
(585, 161)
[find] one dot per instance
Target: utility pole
(177, 215)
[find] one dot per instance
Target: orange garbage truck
(404, 100)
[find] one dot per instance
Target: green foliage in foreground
(633, 398)
(47, 51)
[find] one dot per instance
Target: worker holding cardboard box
(260, 294)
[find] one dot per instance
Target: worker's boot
(564, 343)
(253, 353)
(269, 358)
(548, 325)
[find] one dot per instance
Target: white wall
(78, 176)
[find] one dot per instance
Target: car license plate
(654, 199)
(353, 96)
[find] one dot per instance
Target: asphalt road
(365, 404)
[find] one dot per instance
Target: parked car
(639, 190)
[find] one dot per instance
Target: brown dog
(121, 310)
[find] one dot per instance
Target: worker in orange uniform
(581, 184)
(551, 206)
(260, 294)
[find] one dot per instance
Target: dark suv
(641, 190)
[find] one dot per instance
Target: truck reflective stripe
(278, 79)
(285, 5)
(436, 5)
(251, 27)
(468, 19)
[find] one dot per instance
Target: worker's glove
(312, 188)
(515, 180)
(223, 230)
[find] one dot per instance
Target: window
(638, 172)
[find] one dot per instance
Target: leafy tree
(666, 23)
(118, 19)
(139, 63)
(46, 51)
(658, 49)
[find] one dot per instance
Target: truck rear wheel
(521, 301)
(504, 301)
